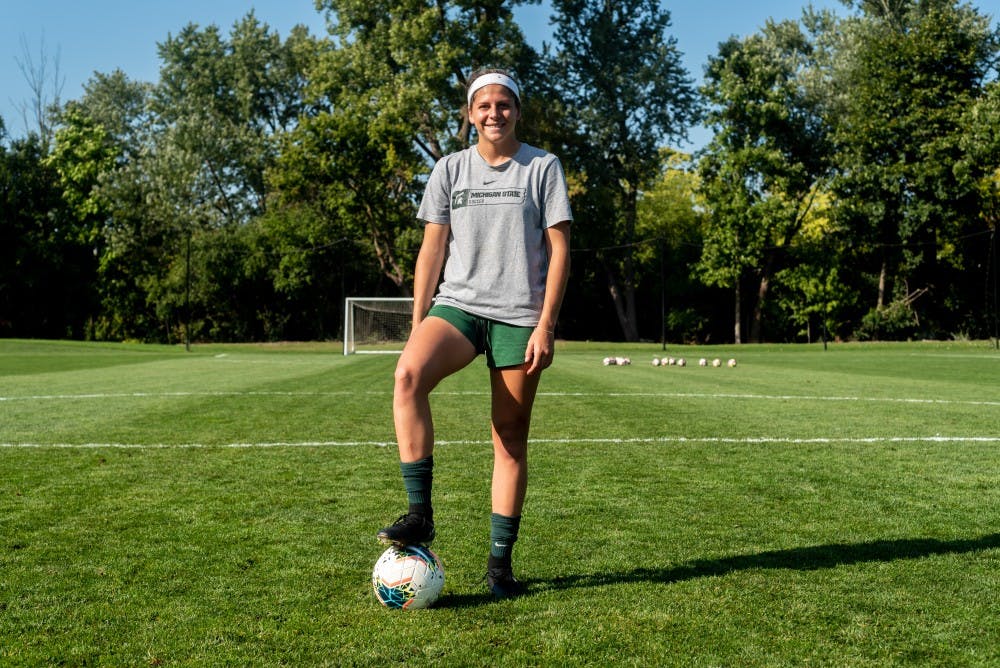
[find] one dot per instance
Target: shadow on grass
(798, 558)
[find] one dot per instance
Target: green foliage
(46, 265)
(223, 103)
(892, 322)
(908, 76)
(191, 158)
(81, 154)
(670, 220)
(670, 208)
(767, 160)
(361, 186)
(402, 67)
(620, 73)
(814, 294)
(980, 143)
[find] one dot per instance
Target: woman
(499, 212)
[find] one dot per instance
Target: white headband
(493, 78)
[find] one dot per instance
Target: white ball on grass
(716, 362)
(409, 577)
(731, 363)
(681, 362)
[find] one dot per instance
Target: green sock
(418, 477)
(503, 535)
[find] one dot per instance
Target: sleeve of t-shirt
(435, 207)
(556, 207)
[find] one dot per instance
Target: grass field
(218, 507)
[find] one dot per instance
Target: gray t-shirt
(497, 261)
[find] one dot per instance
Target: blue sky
(87, 36)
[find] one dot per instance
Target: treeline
(850, 190)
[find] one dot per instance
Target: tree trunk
(631, 329)
(757, 324)
(623, 309)
(882, 279)
(622, 288)
(736, 320)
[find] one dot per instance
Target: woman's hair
(494, 70)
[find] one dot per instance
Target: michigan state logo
(459, 199)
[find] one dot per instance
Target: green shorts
(503, 344)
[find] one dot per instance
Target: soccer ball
(681, 362)
(702, 362)
(732, 363)
(716, 362)
(408, 577)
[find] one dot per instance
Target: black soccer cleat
(409, 529)
(502, 583)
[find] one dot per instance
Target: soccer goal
(377, 324)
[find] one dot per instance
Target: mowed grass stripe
(542, 393)
(652, 440)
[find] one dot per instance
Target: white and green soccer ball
(408, 578)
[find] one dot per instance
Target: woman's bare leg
(435, 350)
(513, 398)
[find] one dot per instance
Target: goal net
(376, 324)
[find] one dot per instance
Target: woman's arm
(427, 271)
(541, 346)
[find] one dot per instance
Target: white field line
(750, 440)
(663, 395)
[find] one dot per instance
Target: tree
(36, 113)
(191, 157)
(225, 102)
(980, 169)
(669, 221)
(46, 270)
(622, 76)
(909, 71)
(810, 290)
(81, 153)
(404, 64)
(389, 93)
(766, 161)
(362, 186)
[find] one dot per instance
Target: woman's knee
(407, 380)
(512, 433)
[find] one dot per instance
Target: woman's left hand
(540, 351)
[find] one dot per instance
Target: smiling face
(495, 113)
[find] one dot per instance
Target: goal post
(374, 325)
